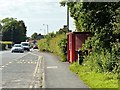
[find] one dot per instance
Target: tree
(34, 36)
(13, 30)
(103, 20)
(63, 30)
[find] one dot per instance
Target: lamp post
(68, 18)
(47, 27)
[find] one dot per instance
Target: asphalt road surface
(20, 70)
(36, 69)
(56, 74)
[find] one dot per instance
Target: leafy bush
(103, 21)
(55, 44)
(43, 45)
(102, 59)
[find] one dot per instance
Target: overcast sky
(35, 13)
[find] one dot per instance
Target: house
(39, 37)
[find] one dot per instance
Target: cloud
(25, 7)
(34, 13)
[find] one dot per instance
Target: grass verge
(94, 79)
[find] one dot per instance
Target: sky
(35, 13)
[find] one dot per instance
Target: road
(20, 70)
(56, 74)
(36, 70)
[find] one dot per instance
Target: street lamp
(47, 27)
(68, 18)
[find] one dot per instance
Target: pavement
(56, 74)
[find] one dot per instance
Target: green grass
(95, 79)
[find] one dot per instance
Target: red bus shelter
(75, 41)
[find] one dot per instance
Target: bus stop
(74, 43)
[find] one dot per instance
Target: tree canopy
(34, 35)
(13, 30)
(102, 19)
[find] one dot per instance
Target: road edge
(43, 73)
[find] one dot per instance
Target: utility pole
(47, 27)
(68, 18)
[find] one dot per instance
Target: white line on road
(28, 62)
(31, 62)
(18, 62)
(52, 67)
(10, 62)
(6, 64)
(2, 66)
(37, 68)
(34, 54)
(24, 62)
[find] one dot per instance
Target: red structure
(75, 41)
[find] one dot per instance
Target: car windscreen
(25, 44)
(17, 45)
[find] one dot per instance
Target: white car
(17, 48)
(26, 45)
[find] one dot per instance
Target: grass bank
(94, 79)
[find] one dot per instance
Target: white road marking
(31, 86)
(10, 62)
(16, 80)
(28, 62)
(52, 67)
(7, 64)
(24, 62)
(2, 66)
(18, 62)
(35, 54)
(33, 83)
(31, 62)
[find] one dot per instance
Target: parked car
(26, 45)
(17, 48)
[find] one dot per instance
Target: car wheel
(21, 51)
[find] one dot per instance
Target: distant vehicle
(26, 45)
(17, 48)
(35, 47)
